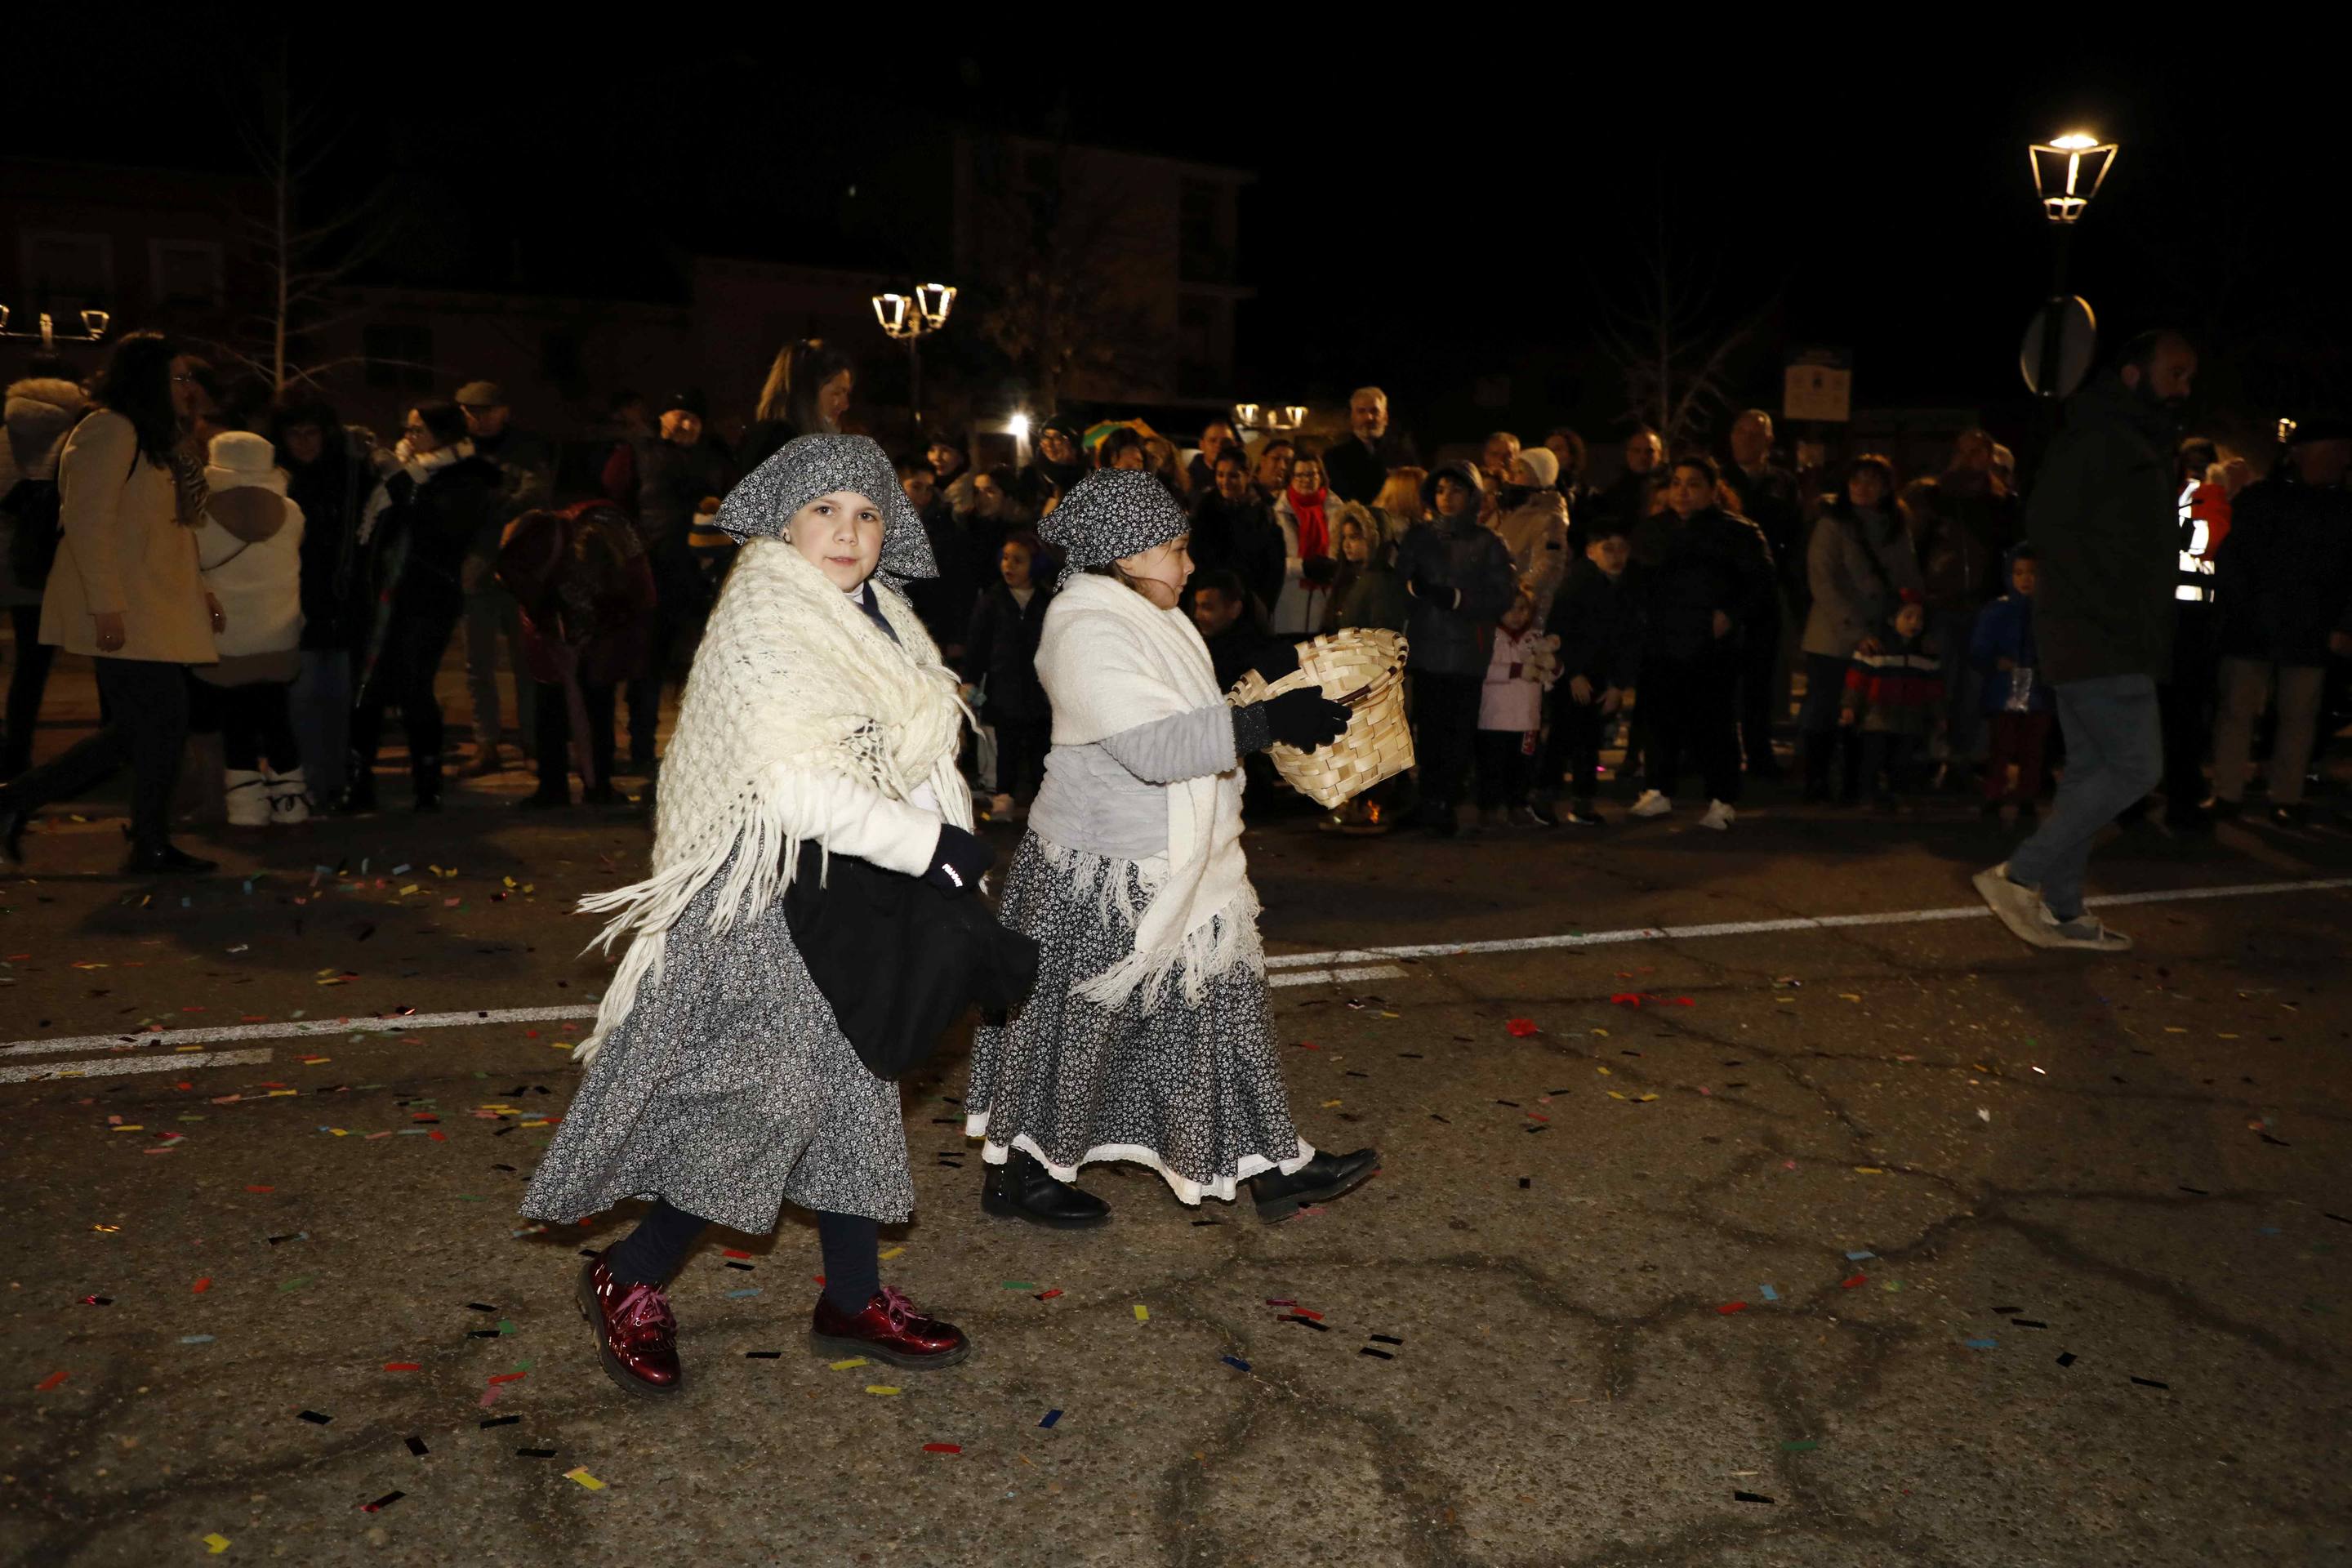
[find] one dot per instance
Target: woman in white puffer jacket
(250, 547)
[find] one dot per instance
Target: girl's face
(1868, 488)
(1160, 572)
(1351, 542)
(304, 444)
(1054, 447)
(1014, 565)
(1307, 476)
(1454, 497)
(421, 438)
(841, 535)
(1911, 620)
(2020, 576)
(1515, 618)
(1689, 491)
(832, 397)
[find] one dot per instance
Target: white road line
(114, 1067)
(1748, 928)
(1323, 976)
(298, 1028)
(1329, 963)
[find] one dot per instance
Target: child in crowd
(1894, 699)
(2016, 700)
(1599, 651)
(585, 589)
(249, 546)
(1521, 667)
(1002, 654)
(1368, 592)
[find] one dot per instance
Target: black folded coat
(898, 959)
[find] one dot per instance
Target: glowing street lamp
(910, 318)
(93, 327)
(2061, 340)
(2068, 172)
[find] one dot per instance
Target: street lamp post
(909, 319)
(2067, 173)
(93, 327)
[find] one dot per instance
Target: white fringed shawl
(790, 680)
(1109, 659)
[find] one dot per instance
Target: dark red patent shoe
(637, 1336)
(890, 1330)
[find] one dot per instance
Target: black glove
(1276, 659)
(1305, 719)
(1319, 569)
(958, 864)
(1422, 585)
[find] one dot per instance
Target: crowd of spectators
(1710, 611)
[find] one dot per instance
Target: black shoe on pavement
(1533, 815)
(1582, 814)
(167, 862)
(11, 835)
(544, 800)
(1321, 1179)
(1021, 1188)
(359, 796)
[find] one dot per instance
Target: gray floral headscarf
(1111, 513)
(811, 466)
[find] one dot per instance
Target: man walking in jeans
(2103, 521)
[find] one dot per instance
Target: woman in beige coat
(126, 592)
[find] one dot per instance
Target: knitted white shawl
(791, 686)
(1110, 659)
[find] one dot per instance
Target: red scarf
(1314, 533)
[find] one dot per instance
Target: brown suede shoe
(890, 1330)
(636, 1335)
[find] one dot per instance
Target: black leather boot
(1321, 1179)
(1021, 1188)
(425, 775)
(359, 786)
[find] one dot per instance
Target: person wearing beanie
(1148, 1036)
(250, 547)
(1532, 524)
(1459, 579)
(819, 726)
(40, 410)
(1061, 454)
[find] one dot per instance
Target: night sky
(1423, 214)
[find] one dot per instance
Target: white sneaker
(289, 798)
(248, 799)
(2087, 932)
(2020, 909)
(1718, 817)
(1651, 804)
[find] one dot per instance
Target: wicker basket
(1364, 670)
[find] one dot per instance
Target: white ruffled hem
(1187, 1191)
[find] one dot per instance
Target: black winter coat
(2104, 520)
(331, 492)
(2284, 581)
(944, 603)
(1461, 554)
(1771, 500)
(1002, 650)
(1355, 472)
(1243, 540)
(1598, 627)
(1684, 570)
(424, 538)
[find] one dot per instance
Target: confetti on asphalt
(2150, 1383)
(1730, 1307)
(382, 1503)
(1800, 1445)
(883, 1389)
(1370, 1350)
(763, 1355)
(1143, 1313)
(942, 1447)
(1523, 1028)
(1051, 1417)
(1750, 1497)
(846, 1366)
(216, 1544)
(534, 1453)
(500, 1421)
(1981, 1344)
(584, 1478)
(195, 1339)
(52, 1381)
(2066, 1358)
(417, 1446)
(316, 1419)
(1236, 1362)
(1767, 1292)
